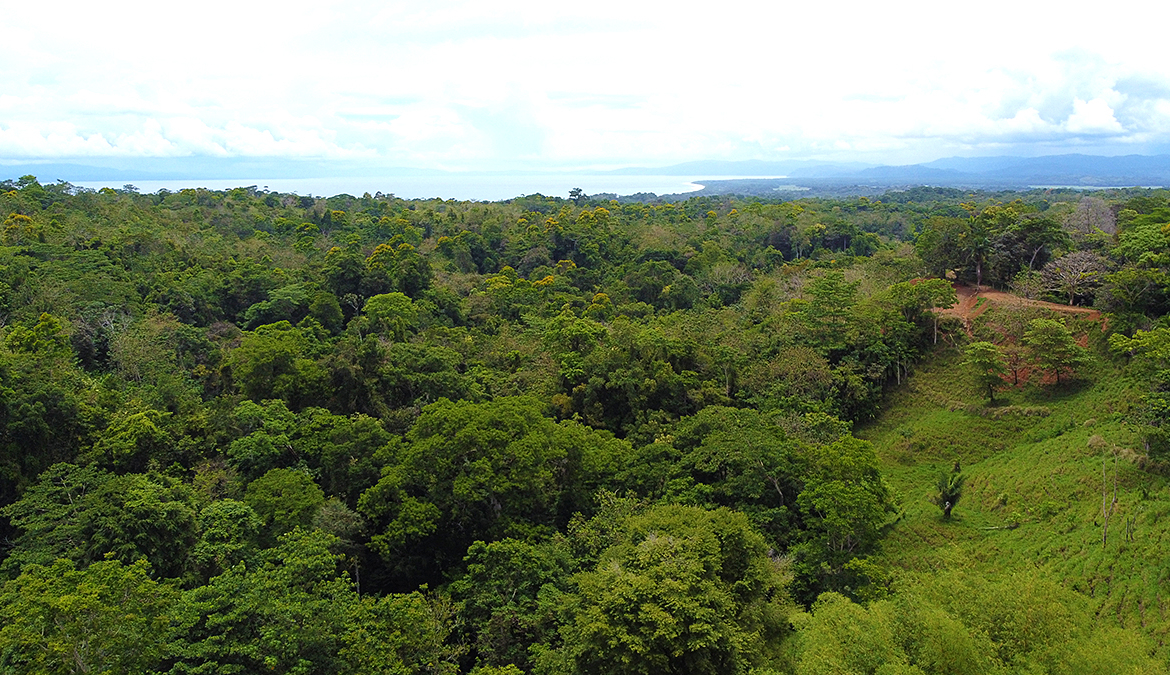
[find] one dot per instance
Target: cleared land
(1037, 463)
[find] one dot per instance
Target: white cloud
(148, 142)
(179, 136)
(58, 139)
(1092, 117)
(460, 82)
(1026, 121)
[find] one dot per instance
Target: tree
(277, 361)
(955, 624)
(949, 489)
(290, 303)
(658, 283)
(47, 409)
(269, 444)
(682, 591)
(373, 377)
(989, 244)
(84, 514)
(503, 598)
(228, 532)
(344, 452)
(1151, 352)
(284, 499)
(396, 268)
(1030, 236)
(402, 635)
(921, 297)
(285, 615)
(46, 338)
(481, 471)
(106, 618)
(1075, 274)
(987, 362)
(827, 316)
(843, 637)
(391, 315)
(938, 244)
(640, 370)
(938, 294)
(340, 450)
(1053, 347)
(135, 435)
(1092, 216)
(845, 503)
(292, 612)
(978, 240)
(1136, 289)
(18, 229)
(739, 459)
(1145, 240)
(1028, 284)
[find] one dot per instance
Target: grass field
(1033, 500)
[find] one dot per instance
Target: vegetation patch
(244, 431)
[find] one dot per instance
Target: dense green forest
(245, 431)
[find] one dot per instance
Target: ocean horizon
(476, 187)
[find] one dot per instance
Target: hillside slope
(1035, 463)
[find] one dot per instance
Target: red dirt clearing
(969, 306)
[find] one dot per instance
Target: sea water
(481, 187)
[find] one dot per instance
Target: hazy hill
(751, 177)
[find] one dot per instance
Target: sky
(521, 85)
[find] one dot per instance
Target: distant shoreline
(458, 186)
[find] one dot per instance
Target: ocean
(479, 187)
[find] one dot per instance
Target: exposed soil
(969, 306)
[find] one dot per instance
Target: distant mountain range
(976, 172)
(1072, 170)
(964, 172)
(750, 167)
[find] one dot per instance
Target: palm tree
(950, 489)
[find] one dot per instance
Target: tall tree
(683, 590)
(84, 514)
(987, 362)
(1054, 348)
(1075, 274)
(106, 618)
(482, 471)
(826, 317)
(845, 503)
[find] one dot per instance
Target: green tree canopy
(284, 499)
(106, 618)
(1054, 348)
(84, 514)
(471, 471)
(845, 504)
(684, 590)
(294, 613)
(987, 363)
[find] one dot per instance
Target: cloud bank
(520, 84)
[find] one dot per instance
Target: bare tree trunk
(1107, 506)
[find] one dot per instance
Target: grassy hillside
(1033, 500)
